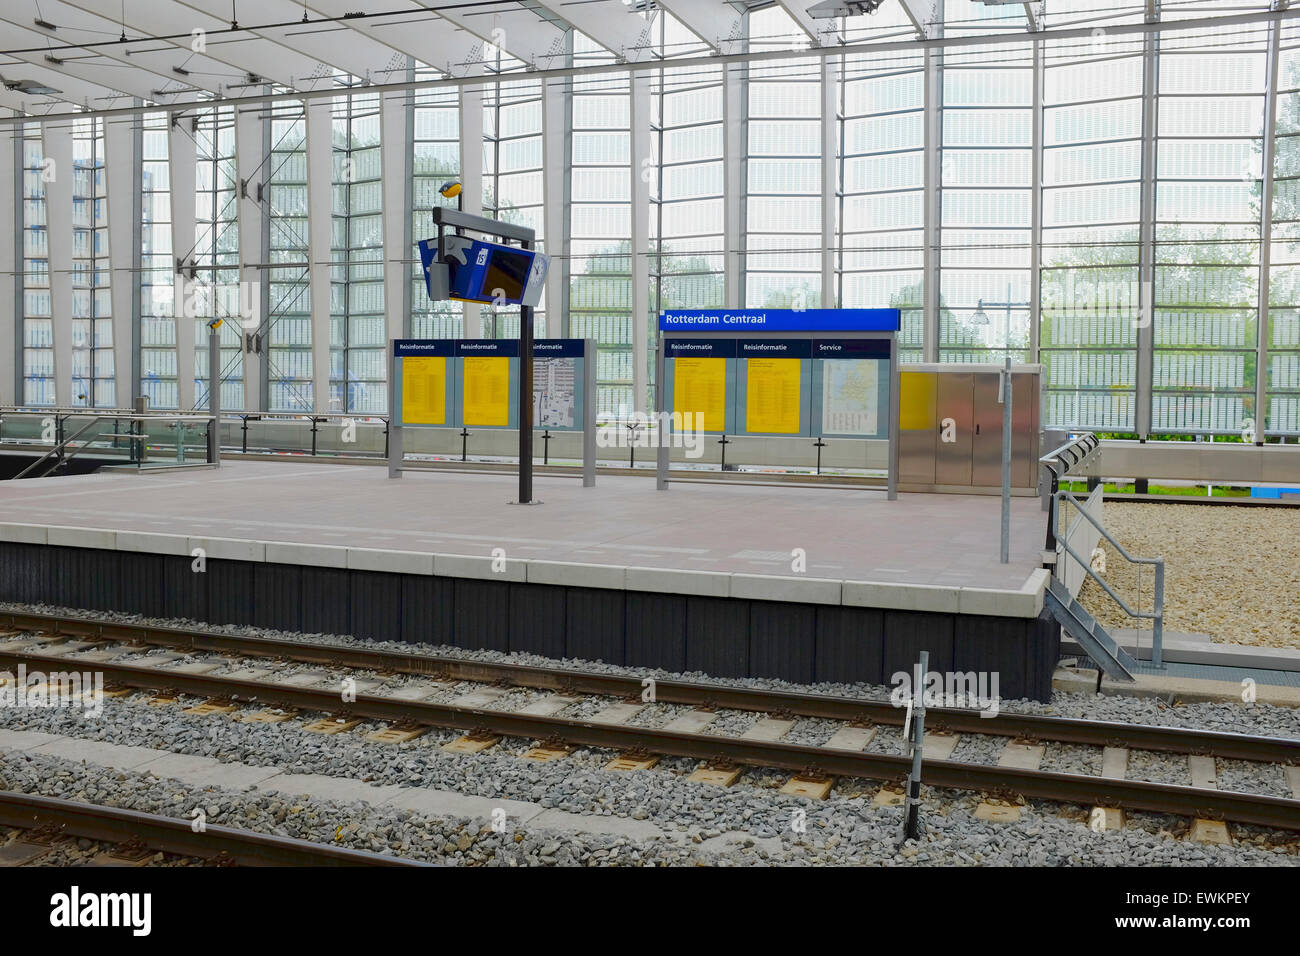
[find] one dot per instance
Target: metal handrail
(1157, 615)
(57, 450)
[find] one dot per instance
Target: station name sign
(780, 320)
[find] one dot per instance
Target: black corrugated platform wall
(723, 637)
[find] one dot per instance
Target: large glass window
(358, 366)
(1282, 415)
(512, 173)
(686, 187)
(1207, 231)
(882, 179)
(1092, 205)
(92, 323)
(783, 209)
(214, 292)
(38, 326)
(987, 189)
(158, 376)
(288, 338)
(600, 289)
(435, 161)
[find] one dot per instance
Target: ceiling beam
(616, 27)
(335, 44)
(923, 15)
(420, 35)
(75, 26)
(716, 22)
(518, 32)
(245, 53)
(822, 32)
(1034, 15)
(145, 77)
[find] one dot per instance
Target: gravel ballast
(1229, 572)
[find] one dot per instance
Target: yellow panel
(916, 401)
(772, 396)
(487, 390)
(700, 388)
(424, 390)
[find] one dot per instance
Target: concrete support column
(254, 176)
(11, 262)
(182, 153)
(830, 139)
(320, 210)
(122, 189)
(395, 157)
(471, 178)
(734, 141)
(641, 148)
(557, 141)
(57, 143)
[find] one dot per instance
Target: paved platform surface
(848, 534)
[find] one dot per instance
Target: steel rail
(173, 835)
(1228, 746)
(800, 758)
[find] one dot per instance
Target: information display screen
(507, 274)
(700, 388)
(424, 390)
(487, 391)
(772, 395)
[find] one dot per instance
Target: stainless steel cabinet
(950, 428)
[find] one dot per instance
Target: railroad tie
(1114, 763)
(1203, 771)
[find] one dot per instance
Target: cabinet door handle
(977, 429)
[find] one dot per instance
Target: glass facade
(214, 293)
(38, 324)
(601, 302)
(1119, 207)
(357, 336)
(288, 339)
(93, 382)
(435, 157)
(158, 369)
(512, 173)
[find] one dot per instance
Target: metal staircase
(1087, 631)
(1082, 626)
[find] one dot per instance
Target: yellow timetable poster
(772, 395)
(700, 388)
(424, 390)
(487, 391)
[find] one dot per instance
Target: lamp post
(980, 317)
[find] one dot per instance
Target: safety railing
(1055, 465)
(1157, 614)
(139, 439)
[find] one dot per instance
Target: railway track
(847, 759)
(151, 832)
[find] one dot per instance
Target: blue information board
(780, 320)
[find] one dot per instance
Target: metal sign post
(214, 396)
(1005, 398)
(912, 816)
